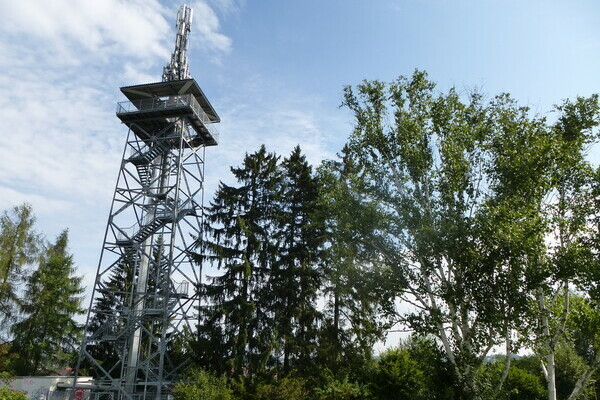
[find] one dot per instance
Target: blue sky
(274, 71)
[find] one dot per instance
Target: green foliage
(202, 386)
(295, 276)
(569, 367)
(523, 385)
(341, 389)
(47, 335)
(283, 389)
(464, 194)
(439, 380)
(354, 312)
(520, 384)
(398, 376)
(19, 246)
(9, 394)
(5, 392)
(418, 369)
(7, 360)
(480, 214)
(264, 236)
(236, 335)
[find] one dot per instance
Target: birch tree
(571, 258)
(458, 184)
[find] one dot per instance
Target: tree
(353, 313)
(47, 335)
(457, 187)
(569, 260)
(109, 315)
(236, 335)
(521, 384)
(294, 277)
(19, 246)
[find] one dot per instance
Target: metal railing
(169, 211)
(172, 102)
(182, 288)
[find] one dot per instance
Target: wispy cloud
(105, 28)
(257, 112)
(206, 31)
(228, 7)
(62, 63)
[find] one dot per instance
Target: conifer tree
(236, 334)
(108, 304)
(295, 276)
(47, 334)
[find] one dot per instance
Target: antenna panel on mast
(178, 68)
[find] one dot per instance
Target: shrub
(203, 386)
(284, 389)
(341, 390)
(398, 376)
(9, 394)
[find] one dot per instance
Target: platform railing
(172, 102)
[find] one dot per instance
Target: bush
(523, 385)
(284, 389)
(439, 381)
(341, 390)
(202, 386)
(9, 394)
(398, 376)
(520, 384)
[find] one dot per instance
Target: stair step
(147, 157)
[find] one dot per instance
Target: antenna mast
(178, 68)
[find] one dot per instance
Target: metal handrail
(171, 209)
(172, 102)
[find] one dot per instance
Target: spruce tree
(236, 332)
(108, 314)
(295, 276)
(47, 335)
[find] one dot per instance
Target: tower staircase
(144, 157)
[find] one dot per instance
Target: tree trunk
(549, 370)
(551, 376)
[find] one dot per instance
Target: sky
(274, 71)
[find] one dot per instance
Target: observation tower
(144, 301)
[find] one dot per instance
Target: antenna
(178, 68)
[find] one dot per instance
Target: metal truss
(146, 283)
(155, 218)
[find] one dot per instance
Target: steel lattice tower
(155, 216)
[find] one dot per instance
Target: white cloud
(104, 28)
(205, 30)
(60, 83)
(42, 205)
(228, 7)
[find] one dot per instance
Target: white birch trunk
(549, 372)
(551, 375)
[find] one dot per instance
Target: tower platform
(152, 105)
